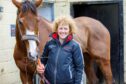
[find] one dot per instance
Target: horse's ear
(16, 3)
(38, 2)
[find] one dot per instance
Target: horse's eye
(20, 21)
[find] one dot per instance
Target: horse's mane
(26, 6)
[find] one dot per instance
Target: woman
(65, 60)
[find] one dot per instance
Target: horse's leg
(26, 78)
(89, 69)
(105, 67)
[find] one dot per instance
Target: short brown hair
(65, 20)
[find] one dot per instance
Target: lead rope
(43, 78)
(39, 57)
(26, 71)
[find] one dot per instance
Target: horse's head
(27, 24)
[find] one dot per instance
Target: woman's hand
(40, 68)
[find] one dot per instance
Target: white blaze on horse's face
(32, 51)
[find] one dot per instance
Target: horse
(95, 43)
(92, 35)
(31, 35)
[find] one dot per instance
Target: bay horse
(31, 35)
(92, 35)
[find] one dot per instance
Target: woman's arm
(79, 64)
(40, 67)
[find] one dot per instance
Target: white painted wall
(8, 71)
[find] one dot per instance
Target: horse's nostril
(31, 57)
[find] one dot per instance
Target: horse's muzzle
(32, 57)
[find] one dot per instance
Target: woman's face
(63, 31)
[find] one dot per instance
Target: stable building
(112, 13)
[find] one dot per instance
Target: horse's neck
(45, 24)
(45, 28)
